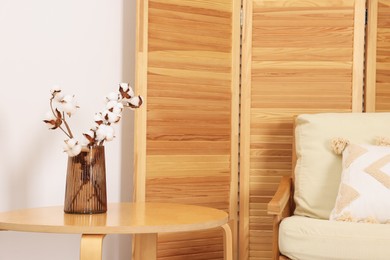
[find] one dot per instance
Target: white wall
(87, 48)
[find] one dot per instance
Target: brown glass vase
(85, 191)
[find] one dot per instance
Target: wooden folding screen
(299, 56)
(186, 143)
(378, 56)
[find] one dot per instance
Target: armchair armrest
(282, 200)
(279, 207)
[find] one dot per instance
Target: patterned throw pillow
(364, 191)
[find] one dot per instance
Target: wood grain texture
(190, 77)
(91, 247)
(141, 114)
(121, 218)
(144, 220)
(378, 57)
(298, 57)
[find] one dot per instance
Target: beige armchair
(303, 202)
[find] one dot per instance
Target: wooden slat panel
(378, 57)
(199, 245)
(299, 56)
(191, 88)
(204, 191)
(185, 165)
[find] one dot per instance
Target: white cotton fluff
(69, 105)
(115, 106)
(104, 132)
(48, 118)
(57, 93)
(72, 147)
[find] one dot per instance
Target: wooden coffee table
(144, 220)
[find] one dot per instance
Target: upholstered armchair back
(318, 169)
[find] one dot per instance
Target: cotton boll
(58, 97)
(104, 133)
(98, 118)
(111, 117)
(72, 147)
(75, 150)
(101, 132)
(135, 102)
(126, 91)
(57, 93)
(102, 129)
(69, 105)
(49, 116)
(110, 133)
(115, 107)
(50, 120)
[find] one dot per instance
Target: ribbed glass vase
(85, 191)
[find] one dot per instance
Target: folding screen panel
(299, 56)
(378, 56)
(187, 132)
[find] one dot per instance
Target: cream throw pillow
(364, 191)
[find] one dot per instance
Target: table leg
(227, 242)
(145, 247)
(91, 247)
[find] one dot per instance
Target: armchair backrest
(318, 169)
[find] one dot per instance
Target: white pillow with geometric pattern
(364, 191)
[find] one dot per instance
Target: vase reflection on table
(85, 191)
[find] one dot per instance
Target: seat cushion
(307, 238)
(318, 168)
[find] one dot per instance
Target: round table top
(121, 218)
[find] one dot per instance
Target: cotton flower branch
(67, 105)
(63, 106)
